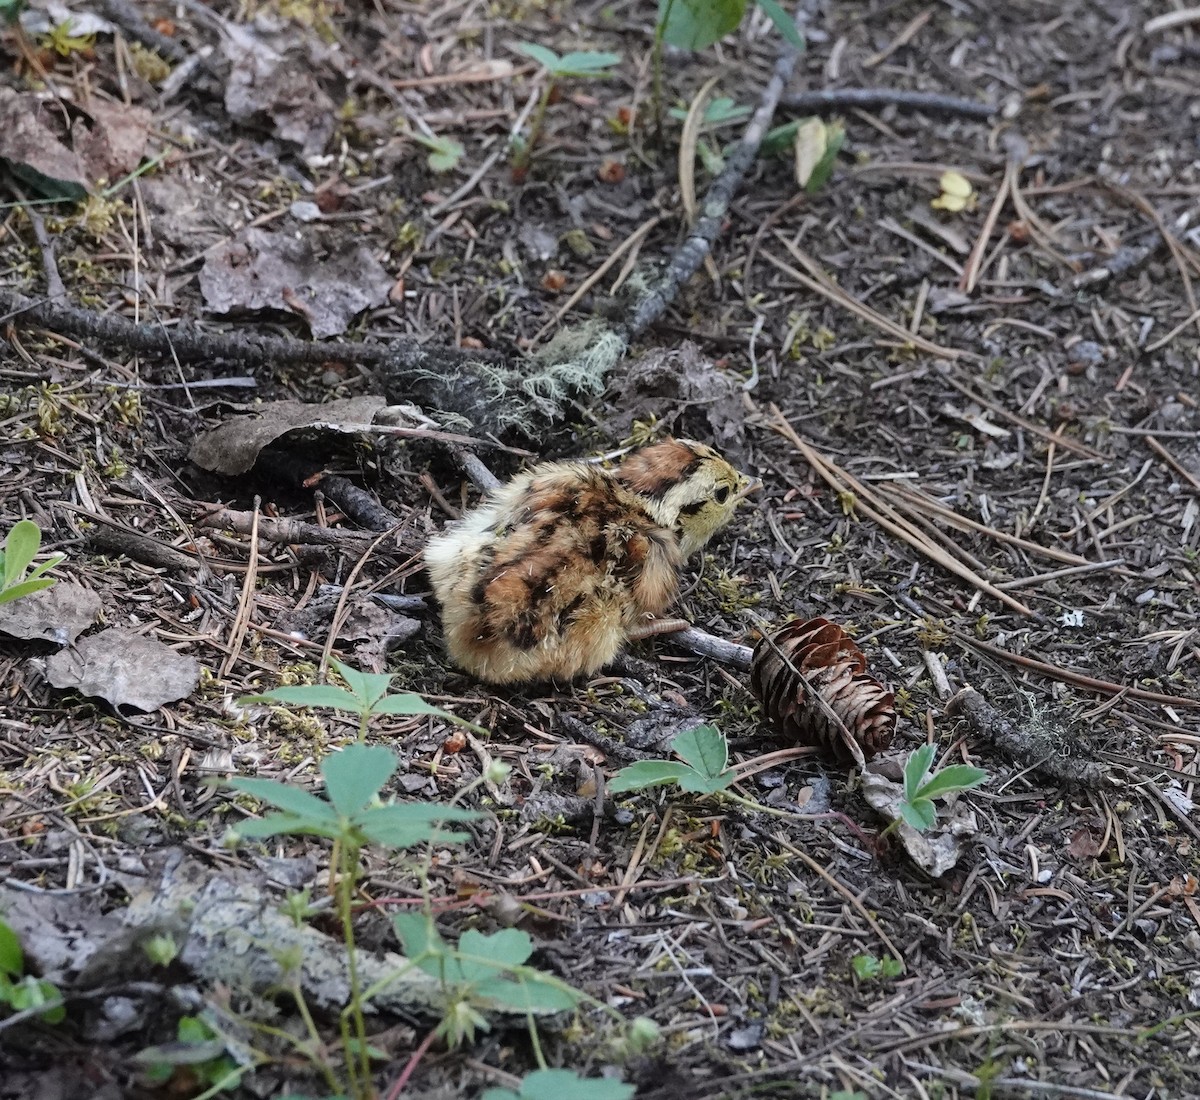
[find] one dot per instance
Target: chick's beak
(751, 485)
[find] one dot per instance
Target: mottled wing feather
(571, 561)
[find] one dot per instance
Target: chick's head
(687, 487)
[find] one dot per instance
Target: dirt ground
(1060, 956)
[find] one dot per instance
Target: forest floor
(1030, 364)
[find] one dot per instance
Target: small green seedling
(62, 39)
(482, 971)
(352, 814)
(721, 111)
(697, 24)
(869, 967)
(162, 949)
(23, 992)
(367, 696)
(198, 1054)
(491, 971)
(445, 153)
(702, 768)
(583, 64)
(554, 1084)
(20, 547)
(921, 788)
(705, 768)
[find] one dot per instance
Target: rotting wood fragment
(1041, 745)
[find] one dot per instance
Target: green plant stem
(758, 807)
(535, 1041)
(660, 31)
(358, 1062)
(287, 1038)
(227, 1082)
(832, 815)
(892, 826)
(525, 155)
(322, 1063)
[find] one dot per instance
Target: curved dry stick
(687, 258)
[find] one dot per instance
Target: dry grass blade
(340, 612)
(909, 32)
(688, 141)
(246, 603)
(840, 481)
(687, 162)
(1034, 429)
(904, 496)
(1038, 229)
(974, 264)
(819, 283)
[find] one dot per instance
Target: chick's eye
(722, 494)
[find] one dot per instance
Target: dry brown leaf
(56, 614)
(126, 670)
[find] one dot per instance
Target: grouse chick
(553, 572)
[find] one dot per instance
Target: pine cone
(835, 669)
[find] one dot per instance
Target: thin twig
(1173, 462)
(1056, 672)
(55, 290)
(833, 99)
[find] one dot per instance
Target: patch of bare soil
(979, 435)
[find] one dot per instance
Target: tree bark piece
(1040, 746)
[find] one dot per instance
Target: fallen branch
(1039, 745)
(474, 384)
(285, 532)
(125, 15)
(687, 258)
(833, 99)
(701, 644)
